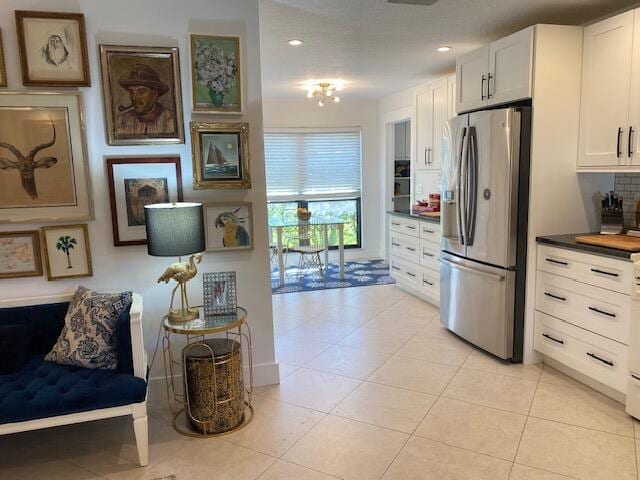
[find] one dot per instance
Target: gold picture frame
(142, 95)
(222, 51)
(3, 68)
(60, 242)
(43, 155)
(220, 155)
(20, 258)
(53, 49)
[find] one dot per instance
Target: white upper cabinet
(424, 129)
(633, 138)
(510, 68)
(451, 86)
(432, 111)
(498, 73)
(471, 80)
(606, 108)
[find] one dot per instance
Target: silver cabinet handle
(428, 254)
(411, 227)
(395, 244)
(411, 274)
(395, 268)
(411, 249)
(424, 230)
(395, 224)
(426, 149)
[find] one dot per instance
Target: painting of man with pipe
(142, 100)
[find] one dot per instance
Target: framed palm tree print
(66, 251)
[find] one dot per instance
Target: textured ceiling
(380, 48)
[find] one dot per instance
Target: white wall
(162, 23)
(305, 113)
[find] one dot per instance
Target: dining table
(279, 225)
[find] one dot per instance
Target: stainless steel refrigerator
(485, 190)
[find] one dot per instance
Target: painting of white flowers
(216, 85)
(67, 253)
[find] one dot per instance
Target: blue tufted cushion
(46, 389)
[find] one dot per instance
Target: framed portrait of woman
(53, 49)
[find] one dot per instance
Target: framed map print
(43, 164)
(20, 254)
(53, 49)
(135, 182)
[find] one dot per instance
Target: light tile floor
(372, 387)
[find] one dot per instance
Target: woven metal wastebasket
(214, 386)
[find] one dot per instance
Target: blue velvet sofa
(44, 394)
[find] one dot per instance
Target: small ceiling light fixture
(325, 91)
(295, 42)
(444, 48)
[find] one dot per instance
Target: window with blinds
(312, 164)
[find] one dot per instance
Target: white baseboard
(263, 374)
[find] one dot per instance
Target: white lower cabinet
(584, 317)
(414, 251)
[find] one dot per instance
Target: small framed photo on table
(67, 252)
(20, 254)
(219, 293)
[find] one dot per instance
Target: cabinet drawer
(405, 246)
(430, 231)
(404, 225)
(597, 357)
(405, 272)
(600, 311)
(430, 283)
(429, 255)
(594, 270)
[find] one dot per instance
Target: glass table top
(295, 222)
(207, 324)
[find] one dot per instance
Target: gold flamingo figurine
(182, 272)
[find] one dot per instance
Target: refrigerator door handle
(461, 187)
(471, 192)
(476, 271)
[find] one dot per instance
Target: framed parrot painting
(228, 226)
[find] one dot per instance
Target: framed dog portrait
(228, 226)
(67, 252)
(216, 74)
(53, 49)
(44, 174)
(219, 289)
(135, 182)
(142, 95)
(220, 155)
(20, 254)
(3, 70)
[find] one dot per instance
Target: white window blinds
(306, 164)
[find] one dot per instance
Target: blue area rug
(356, 274)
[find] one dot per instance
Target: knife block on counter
(612, 221)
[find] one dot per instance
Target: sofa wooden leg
(141, 430)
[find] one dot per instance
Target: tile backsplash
(627, 185)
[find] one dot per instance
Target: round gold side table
(206, 405)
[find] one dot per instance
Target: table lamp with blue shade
(175, 230)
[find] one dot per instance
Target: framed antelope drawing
(43, 166)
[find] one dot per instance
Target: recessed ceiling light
(295, 43)
(444, 48)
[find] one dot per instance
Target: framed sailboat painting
(220, 155)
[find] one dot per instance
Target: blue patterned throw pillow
(88, 338)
